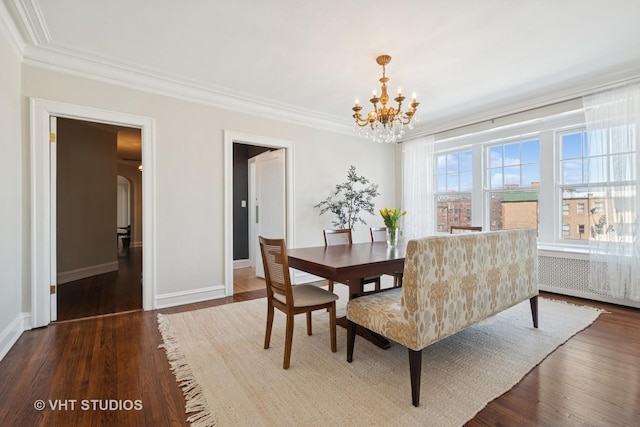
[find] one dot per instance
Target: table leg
(365, 333)
(356, 289)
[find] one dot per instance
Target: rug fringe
(196, 403)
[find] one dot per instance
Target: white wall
(189, 162)
(13, 217)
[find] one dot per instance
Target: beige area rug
(230, 380)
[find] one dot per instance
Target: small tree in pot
(347, 202)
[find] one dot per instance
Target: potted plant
(349, 200)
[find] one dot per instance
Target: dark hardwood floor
(113, 292)
(593, 379)
(121, 291)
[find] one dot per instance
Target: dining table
(350, 264)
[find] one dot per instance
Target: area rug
(228, 379)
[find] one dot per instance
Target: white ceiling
(307, 61)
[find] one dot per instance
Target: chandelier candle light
(385, 124)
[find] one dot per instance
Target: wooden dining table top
(348, 262)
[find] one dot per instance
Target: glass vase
(392, 236)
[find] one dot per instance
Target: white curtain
(417, 187)
(613, 129)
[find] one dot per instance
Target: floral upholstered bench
(450, 283)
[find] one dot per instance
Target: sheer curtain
(613, 129)
(417, 187)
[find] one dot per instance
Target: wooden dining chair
(343, 236)
(457, 229)
(291, 300)
(379, 234)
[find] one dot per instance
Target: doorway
(232, 138)
(98, 192)
(43, 250)
(260, 206)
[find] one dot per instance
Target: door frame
(42, 268)
(262, 141)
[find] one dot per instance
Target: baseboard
(188, 297)
(11, 333)
(83, 273)
(241, 263)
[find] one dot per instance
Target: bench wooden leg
(351, 339)
(534, 310)
(415, 369)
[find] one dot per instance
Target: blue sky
(515, 163)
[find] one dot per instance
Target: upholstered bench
(450, 283)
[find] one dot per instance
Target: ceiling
(306, 61)
(128, 142)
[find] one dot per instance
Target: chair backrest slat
(276, 266)
(378, 234)
(341, 236)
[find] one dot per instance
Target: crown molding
(65, 60)
(10, 30)
(39, 50)
(30, 14)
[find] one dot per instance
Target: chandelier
(385, 124)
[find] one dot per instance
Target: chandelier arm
(397, 114)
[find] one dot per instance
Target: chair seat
(308, 295)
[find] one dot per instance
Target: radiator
(569, 275)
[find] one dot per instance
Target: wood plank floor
(113, 292)
(121, 291)
(593, 379)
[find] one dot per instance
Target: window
(598, 207)
(589, 171)
(551, 174)
(454, 184)
(574, 165)
(513, 177)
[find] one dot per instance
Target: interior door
(270, 203)
(53, 273)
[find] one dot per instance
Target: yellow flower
(391, 216)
